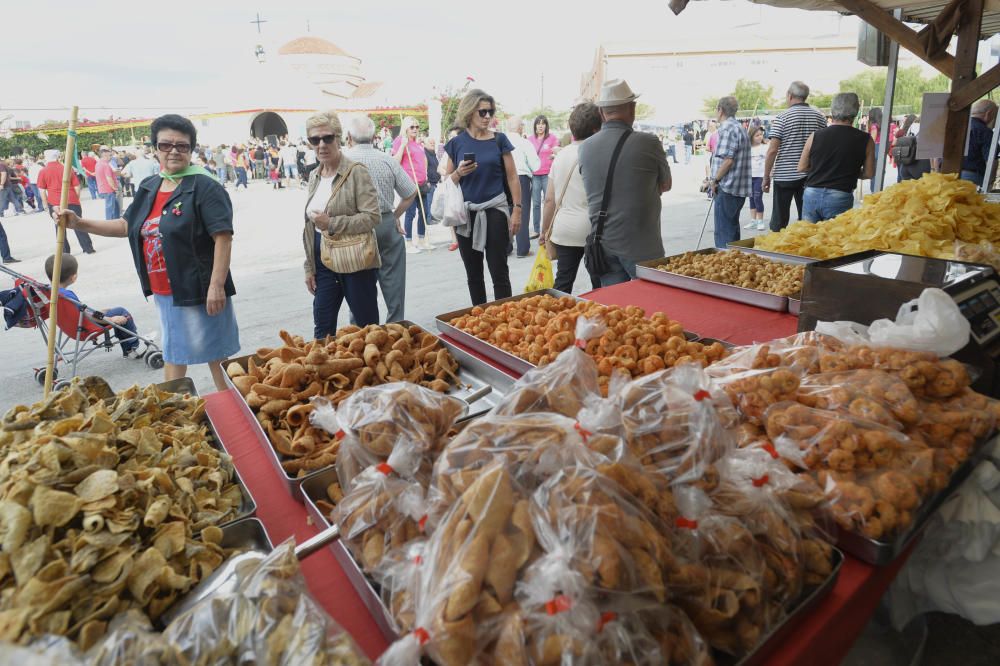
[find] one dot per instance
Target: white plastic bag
(449, 204)
(930, 323)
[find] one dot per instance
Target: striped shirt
(386, 173)
(793, 127)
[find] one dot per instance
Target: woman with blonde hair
(480, 161)
(409, 152)
(341, 214)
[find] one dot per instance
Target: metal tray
(881, 553)
(710, 341)
(506, 359)
(747, 245)
(248, 507)
(473, 373)
(806, 603)
(794, 306)
(314, 488)
(647, 270)
(246, 534)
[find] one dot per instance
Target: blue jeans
(221, 173)
(9, 195)
(92, 186)
(360, 289)
(241, 177)
(112, 211)
(620, 270)
(523, 234)
(38, 196)
(414, 211)
(538, 187)
(823, 203)
(757, 194)
(727, 218)
(688, 152)
(128, 342)
(973, 176)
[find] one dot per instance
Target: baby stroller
(81, 330)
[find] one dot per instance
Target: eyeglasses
(326, 138)
(416, 127)
(487, 113)
(166, 147)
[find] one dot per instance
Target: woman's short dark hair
(172, 121)
(584, 120)
(541, 119)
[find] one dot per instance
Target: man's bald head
(983, 107)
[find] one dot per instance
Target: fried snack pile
(107, 503)
(740, 269)
(539, 328)
(922, 217)
(278, 387)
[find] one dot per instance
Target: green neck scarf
(190, 170)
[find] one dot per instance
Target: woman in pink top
(409, 152)
(546, 145)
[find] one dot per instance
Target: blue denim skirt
(191, 337)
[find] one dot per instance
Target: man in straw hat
(632, 227)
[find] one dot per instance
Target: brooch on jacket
(177, 209)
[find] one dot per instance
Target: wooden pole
(67, 180)
(966, 54)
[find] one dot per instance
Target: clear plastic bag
(959, 423)
(925, 374)
(873, 395)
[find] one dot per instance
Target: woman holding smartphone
(479, 160)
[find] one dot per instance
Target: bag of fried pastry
(397, 578)
(676, 421)
(651, 637)
(873, 395)
(876, 476)
(373, 421)
(562, 386)
(955, 426)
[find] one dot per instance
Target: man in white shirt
(527, 162)
(34, 168)
(142, 168)
(289, 159)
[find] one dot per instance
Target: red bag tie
(607, 616)
(418, 560)
(422, 523)
(757, 483)
(702, 394)
(769, 447)
(340, 434)
(422, 635)
(580, 342)
(584, 433)
(558, 604)
(681, 521)
(385, 468)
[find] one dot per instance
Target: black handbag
(593, 253)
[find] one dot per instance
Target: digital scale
(873, 285)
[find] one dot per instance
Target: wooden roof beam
(899, 32)
(978, 87)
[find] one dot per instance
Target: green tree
(753, 97)
(820, 100)
(644, 111)
(910, 88)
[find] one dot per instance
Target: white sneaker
(412, 248)
(749, 225)
(761, 226)
(424, 244)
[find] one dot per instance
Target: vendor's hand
(465, 168)
(321, 220)
(216, 300)
(515, 221)
(767, 185)
(71, 218)
(311, 284)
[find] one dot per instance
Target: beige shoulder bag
(348, 253)
(550, 249)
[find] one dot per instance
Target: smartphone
(469, 157)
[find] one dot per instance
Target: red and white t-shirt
(152, 247)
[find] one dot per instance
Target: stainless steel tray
(647, 270)
(246, 534)
(881, 553)
(506, 359)
(248, 507)
(807, 603)
(747, 245)
(314, 488)
(710, 341)
(473, 373)
(794, 306)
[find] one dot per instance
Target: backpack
(905, 150)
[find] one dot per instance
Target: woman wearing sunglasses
(409, 152)
(180, 230)
(480, 161)
(342, 210)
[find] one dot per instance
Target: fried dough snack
(874, 395)
(107, 503)
(740, 269)
(926, 375)
(278, 383)
(538, 328)
(958, 423)
(922, 217)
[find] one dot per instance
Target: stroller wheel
(40, 375)
(60, 385)
(154, 360)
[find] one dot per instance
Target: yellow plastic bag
(541, 273)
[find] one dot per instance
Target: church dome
(312, 46)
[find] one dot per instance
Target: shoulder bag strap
(562, 193)
(340, 184)
(606, 201)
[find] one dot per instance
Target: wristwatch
(517, 206)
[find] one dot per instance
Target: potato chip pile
(107, 503)
(922, 217)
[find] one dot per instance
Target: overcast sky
(191, 53)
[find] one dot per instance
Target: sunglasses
(487, 113)
(416, 127)
(326, 138)
(166, 147)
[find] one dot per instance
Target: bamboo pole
(67, 180)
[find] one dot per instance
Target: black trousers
(782, 194)
(86, 244)
(568, 260)
(332, 289)
(497, 241)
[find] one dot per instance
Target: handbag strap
(340, 184)
(562, 193)
(606, 201)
